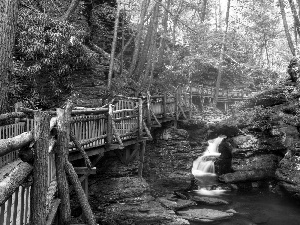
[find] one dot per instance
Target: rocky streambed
(255, 169)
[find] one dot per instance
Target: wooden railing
(108, 128)
(224, 94)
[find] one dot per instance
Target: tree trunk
(220, 15)
(138, 39)
(163, 37)
(62, 151)
(295, 15)
(113, 48)
(286, 28)
(203, 10)
(149, 41)
(220, 69)
(83, 200)
(8, 20)
(40, 167)
(123, 44)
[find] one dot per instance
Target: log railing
(224, 94)
(41, 140)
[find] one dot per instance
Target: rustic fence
(35, 148)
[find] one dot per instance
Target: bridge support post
(142, 155)
(176, 108)
(140, 118)
(165, 105)
(190, 103)
(226, 106)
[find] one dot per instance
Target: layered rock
(288, 173)
(170, 163)
(254, 156)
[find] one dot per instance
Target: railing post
(61, 156)
(176, 108)
(190, 102)
(109, 133)
(40, 167)
(165, 105)
(140, 118)
(149, 123)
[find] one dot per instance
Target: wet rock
(249, 145)
(169, 159)
(175, 204)
(288, 174)
(231, 211)
(117, 189)
(151, 212)
(223, 129)
(204, 215)
(257, 162)
(209, 200)
(242, 176)
(223, 163)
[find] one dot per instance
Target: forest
(50, 48)
(110, 112)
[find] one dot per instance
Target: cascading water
(204, 167)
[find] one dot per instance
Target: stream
(254, 206)
(258, 207)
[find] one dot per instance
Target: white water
(204, 167)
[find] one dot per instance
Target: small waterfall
(204, 167)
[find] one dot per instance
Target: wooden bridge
(226, 97)
(37, 148)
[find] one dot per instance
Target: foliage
(47, 54)
(257, 118)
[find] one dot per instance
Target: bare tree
(113, 48)
(220, 69)
(163, 37)
(147, 50)
(8, 20)
(138, 38)
(203, 10)
(71, 9)
(295, 16)
(286, 28)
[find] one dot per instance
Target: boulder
(256, 162)
(169, 159)
(242, 176)
(175, 203)
(209, 200)
(288, 173)
(117, 189)
(150, 212)
(204, 215)
(248, 145)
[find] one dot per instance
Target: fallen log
(12, 180)
(83, 200)
(11, 144)
(80, 148)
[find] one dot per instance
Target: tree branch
(70, 10)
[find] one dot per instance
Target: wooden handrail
(12, 115)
